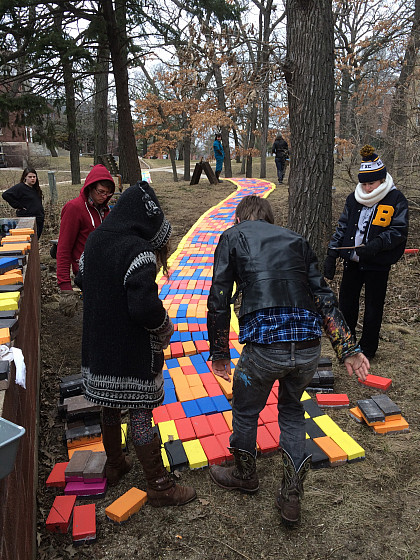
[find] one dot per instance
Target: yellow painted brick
(197, 459)
(327, 425)
(305, 396)
(167, 430)
(124, 431)
(201, 312)
(126, 505)
(306, 415)
(165, 459)
(191, 284)
(8, 305)
(348, 445)
(10, 295)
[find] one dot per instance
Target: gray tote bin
(9, 441)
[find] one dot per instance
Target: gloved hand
(68, 302)
(329, 267)
(370, 249)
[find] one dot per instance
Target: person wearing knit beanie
(125, 330)
(370, 236)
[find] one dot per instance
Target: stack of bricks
(14, 248)
(323, 379)
(380, 413)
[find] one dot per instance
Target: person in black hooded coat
(125, 329)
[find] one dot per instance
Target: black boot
(242, 476)
(291, 491)
(117, 463)
(218, 177)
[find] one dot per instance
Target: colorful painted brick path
(195, 420)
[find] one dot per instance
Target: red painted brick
(213, 450)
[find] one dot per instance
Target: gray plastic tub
(9, 442)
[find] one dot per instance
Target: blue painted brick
(172, 363)
(191, 409)
(206, 405)
(221, 403)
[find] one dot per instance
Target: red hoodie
(79, 217)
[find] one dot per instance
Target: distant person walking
(26, 198)
(219, 154)
(281, 153)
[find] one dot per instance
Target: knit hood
(138, 213)
(97, 173)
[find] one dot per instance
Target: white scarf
(370, 199)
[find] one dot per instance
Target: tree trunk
(396, 138)
(127, 149)
(71, 121)
(187, 147)
(309, 72)
(172, 155)
(101, 104)
(264, 132)
(251, 142)
(221, 101)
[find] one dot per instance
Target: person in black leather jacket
(285, 303)
(375, 222)
(281, 153)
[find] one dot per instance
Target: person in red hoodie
(79, 217)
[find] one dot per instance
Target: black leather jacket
(272, 267)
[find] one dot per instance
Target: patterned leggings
(140, 423)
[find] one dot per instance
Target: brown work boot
(117, 463)
(242, 476)
(291, 491)
(161, 488)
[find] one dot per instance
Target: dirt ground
(367, 509)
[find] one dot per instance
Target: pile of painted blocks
(14, 248)
(381, 413)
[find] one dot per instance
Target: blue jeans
(257, 369)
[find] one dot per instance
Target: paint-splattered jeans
(257, 369)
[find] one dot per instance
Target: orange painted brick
(194, 380)
(226, 387)
(5, 335)
(199, 392)
(183, 327)
(167, 353)
(126, 505)
(189, 348)
(89, 447)
(400, 425)
(184, 361)
(8, 279)
(184, 394)
(21, 231)
(227, 415)
(356, 414)
(335, 454)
